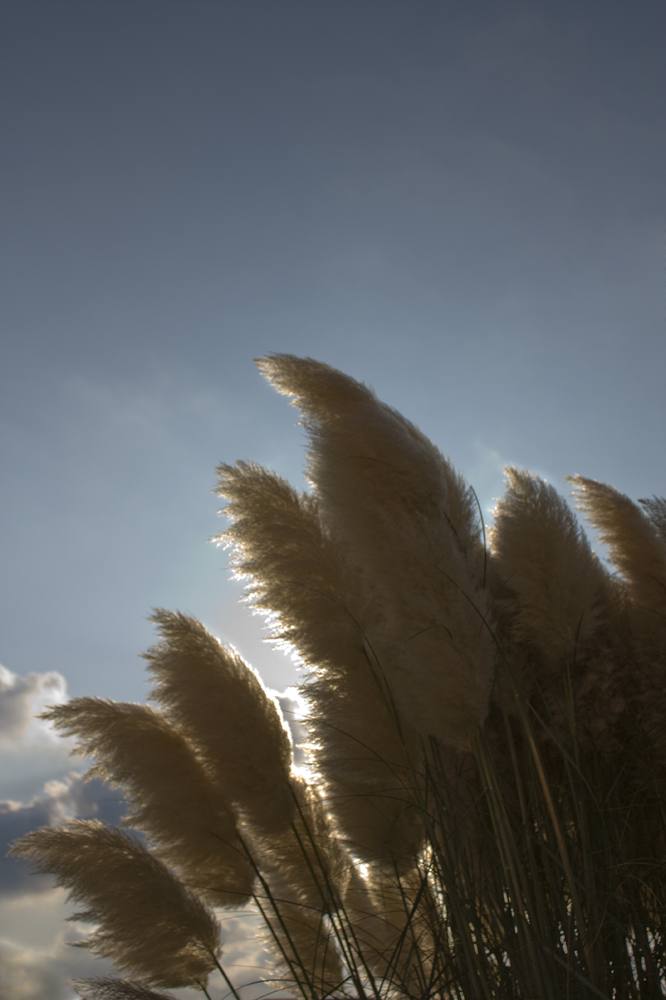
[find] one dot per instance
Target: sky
(459, 204)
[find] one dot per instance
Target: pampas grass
(482, 817)
(222, 707)
(174, 800)
(117, 989)
(148, 923)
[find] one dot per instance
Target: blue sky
(460, 204)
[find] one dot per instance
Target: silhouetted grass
(483, 818)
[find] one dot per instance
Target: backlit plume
(482, 810)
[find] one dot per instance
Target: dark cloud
(71, 798)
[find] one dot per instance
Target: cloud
(30, 752)
(38, 973)
(63, 800)
(21, 698)
(36, 961)
(294, 709)
(28, 973)
(244, 957)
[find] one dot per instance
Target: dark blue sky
(459, 203)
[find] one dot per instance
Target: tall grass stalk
(545, 885)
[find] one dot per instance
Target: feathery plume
(296, 573)
(149, 923)
(637, 548)
(656, 511)
(308, 857)
(223, 709)
(106, 988)
(407, 526)
(350, 428)
(332, 403)
(550, 581)
(636, 544)
(559, 613)
(174, 800)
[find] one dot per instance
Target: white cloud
(294, 710)
(37, 973)
(31, 752)
(21, 698)
(244, 958)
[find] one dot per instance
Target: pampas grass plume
(149, 924)
(549, 580)
(282, 548)
(636, 543)
(219, 703)
(174, 800)
(407, 524)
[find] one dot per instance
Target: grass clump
(482, 814)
